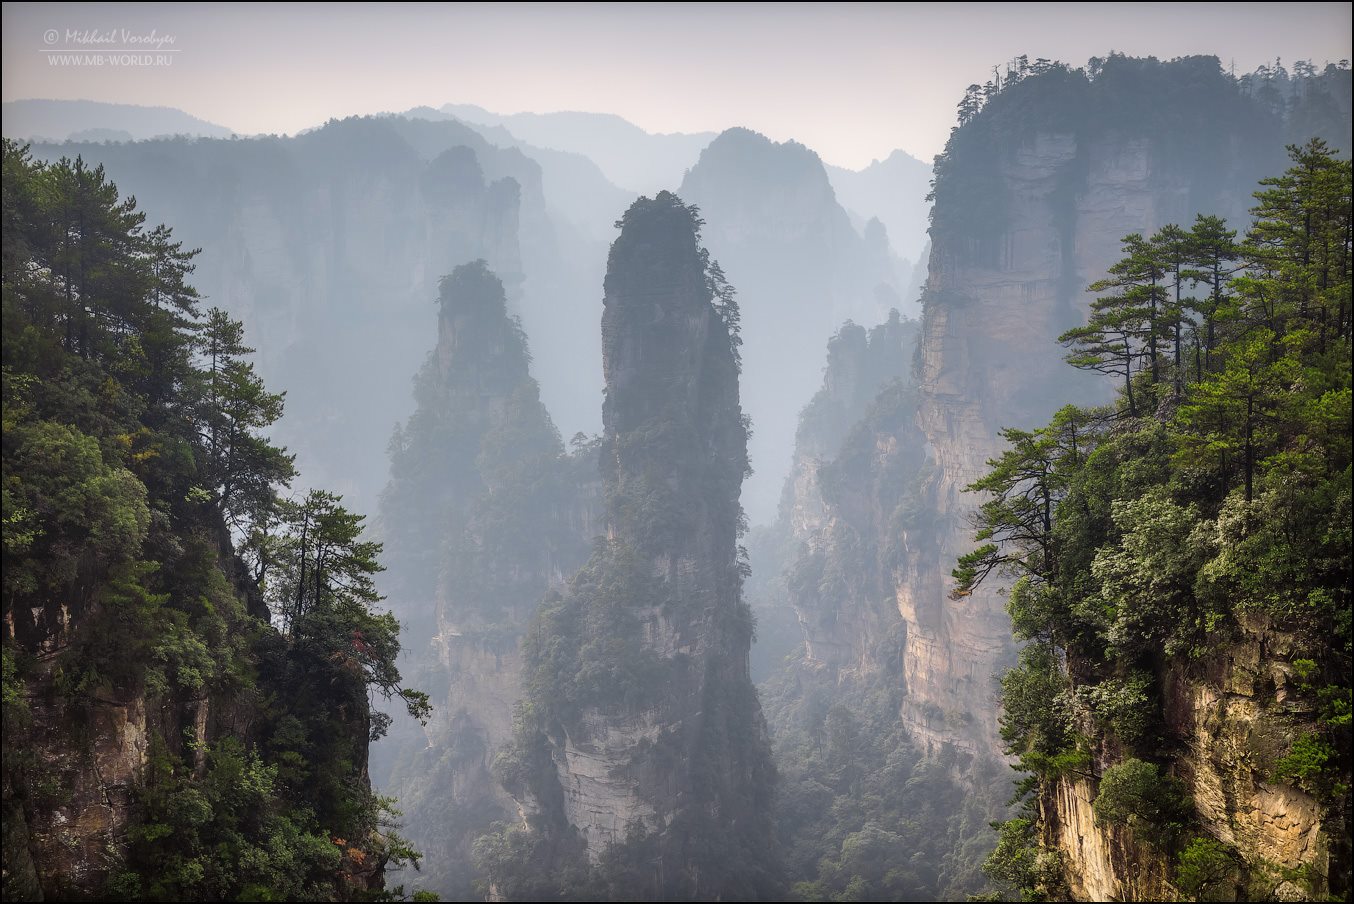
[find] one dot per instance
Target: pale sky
(853, 82)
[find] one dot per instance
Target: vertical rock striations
(1032, 197)
(483, 513)
(642, 762)
(860, 363)
(863, 812)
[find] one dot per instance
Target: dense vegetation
(1208, 507)
(160, 595)
(862, 814)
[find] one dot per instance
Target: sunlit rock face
(1032, 202)
(1232, 717)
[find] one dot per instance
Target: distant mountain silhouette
(636, 160)
(576, 189)
(774, 223)
(89, 120)
(894, 190)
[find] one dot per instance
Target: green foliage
(586, 649)
(654, 627)
(134, 462)
(1124, 706)
(482, 511)
(1146, 581)
(1312, 765)
(229, 834)
(861, 813)
(1209, 503)
(1125, 327)
(1030, 726)
(1137, 795)
(1189, 109)
(1019, 866)
(1203, 868)
(319, 582)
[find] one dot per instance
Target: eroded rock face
(666, 747)
(860, 363)
(1027, 215)
(483, 514)
(989, 360)
(1237, 716)
(1232, 726)
(76, 840)
(599, 799)
(1101, 863)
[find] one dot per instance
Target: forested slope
(188, 654)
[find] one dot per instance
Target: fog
(659, 348)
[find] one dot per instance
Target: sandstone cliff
(1032, 197)
(1029, 211)
(643, 753)
(1232, 716)
(484, 512)
(852, 778)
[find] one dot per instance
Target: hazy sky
(852, 82)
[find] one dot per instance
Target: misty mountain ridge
(893, 190)
(774, 224)
(594, 163)
(640, 161)
(575, 187)
(726, 554)
(41, 120)
(318, 239)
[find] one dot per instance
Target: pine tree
(1213, 249)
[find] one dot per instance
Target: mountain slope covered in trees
(188, 655)
(1179, 569)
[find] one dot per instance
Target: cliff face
(828, 540)
(163, 736)
(860, 363)
(773, 219)
(645, 744)
(88, 771)
(853, 780)
(1033, 196)
(323, 240)
(1007, 275)
(1232, 714)
(75, 838)
(483, 514)
(987, 360)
